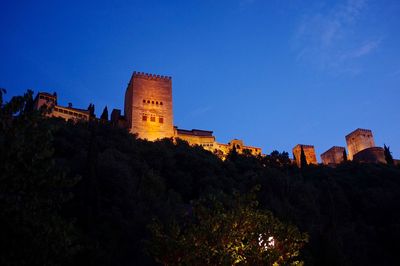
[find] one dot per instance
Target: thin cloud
(362, 50)
(200, 111)
(325, 37)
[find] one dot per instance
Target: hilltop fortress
(148, 113)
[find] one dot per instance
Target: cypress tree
(104, 115)
(344, 156)
(388, 155)
(303, 159)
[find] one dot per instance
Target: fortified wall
(309, 152)
(358, 140)
(148, 106)
(67, 113)
(149, 114)
(333, 156)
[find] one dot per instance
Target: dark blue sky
(273, 73)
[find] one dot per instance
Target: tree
(388, 155)
(104, 115)
(229, 233)
(32, 190)
(344, 156)
(91, 111)
(303, 159)
(2, 92)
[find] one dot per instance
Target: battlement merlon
(357, 131)
(150, 76)
(333, 149)
(304, 146)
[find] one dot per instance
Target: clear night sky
(273, 73)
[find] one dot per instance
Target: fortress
(148, 113)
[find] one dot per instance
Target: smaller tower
(358, 140)
(309, 151)
(333, 156)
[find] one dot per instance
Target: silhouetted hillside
(92, 194)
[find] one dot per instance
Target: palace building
(67, 113)
(148, 112)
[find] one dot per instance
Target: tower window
(152, 102)
(157, 103)
(161, 120)
(148, 101)
(153, 119)
(161, 103)
(144, 101)
(144, 118)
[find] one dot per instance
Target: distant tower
(148, 106)
(309, 152)
(358, 140)
(333, 156)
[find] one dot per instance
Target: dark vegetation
(92, 194)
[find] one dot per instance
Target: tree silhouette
(344, 156)
(303, 159)
(2, 92)
(104, 115)
(91, 111)
(388, 155)
(215, 233)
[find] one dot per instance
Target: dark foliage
(303, 159)
(388, 155)
(104, 114)
(49, 216)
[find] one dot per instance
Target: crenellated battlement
(358, 131)
(150, 76)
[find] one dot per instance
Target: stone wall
(309, 152)
(370, 155)
(359, 140)
(148, 106)
(333, 156)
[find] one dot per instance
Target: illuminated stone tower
(309, 152)
(358, 140)
(148, 106)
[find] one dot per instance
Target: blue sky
(273, 73)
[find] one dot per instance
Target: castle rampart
(309, 152)
(148, 106)
(333, 156)
(359, 140)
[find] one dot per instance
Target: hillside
(92, 194)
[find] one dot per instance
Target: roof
(358, 130)
(195, 132)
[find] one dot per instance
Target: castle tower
(333, 156)
(309, 152)
(358, 140)
(148, 106)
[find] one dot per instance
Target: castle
(148, 113)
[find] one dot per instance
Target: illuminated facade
(67, 113)
(149, 114)
(358, 140)
(333, 156)
(309, 152)
(148, 106)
